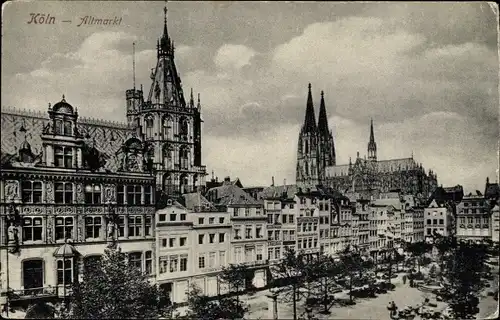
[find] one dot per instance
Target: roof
(63, 107)
(106, 137)
(492, 191)
(278, 191)
(196, 200)
(396, 203)
(66, 250)
(229, 194)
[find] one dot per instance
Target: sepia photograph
(249, 160)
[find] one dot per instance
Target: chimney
(227, 179)
(272, 178)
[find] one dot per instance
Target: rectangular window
(200, 238)
(211, 260)
(148, 195)
(32, 229)
(292, 235)
(183, 217)
(135, 226)
(171, 242)
(276, 235)
(148, 225)
(93, 194)
(221, 220)
(270, 253)
(173, 263)
(270, 218)
(182, 241)
(211, 237)
(201, 220)
(93, 227)
(247, 212)
(173, 217)
(222, 258)
(134, 194)
(120, 194)
(64, 228)
(441, 221)
(290, 218)
(64, 271)
(237, 232)
(248, 232)
(163, 264)
(283, 218)
(277, 253)
(63, 192)
(121, 226)
(31, 191)
(211, 220)
(164, 242)
(259, 253)
(184, 262)
(149, 262)
(63, 157)
(135, 260)
(222, 237)
(238, 254)
(201, 262)
(270, 234)
(258, 232)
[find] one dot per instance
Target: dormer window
(63, 127)
(63, 157)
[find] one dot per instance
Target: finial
(50, 106)
(322, 93)
(198, 98)
(309, 86)
(63, 99)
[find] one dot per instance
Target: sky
(427, 73)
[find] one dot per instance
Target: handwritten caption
(42, 18)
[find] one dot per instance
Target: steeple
(310, 119)
(372, 146)
(323, 119)
(166, 90)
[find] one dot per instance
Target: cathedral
(365, 177)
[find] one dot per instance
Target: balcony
(33, 293)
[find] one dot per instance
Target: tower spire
(323, 119)
(372, 146)
(310, 119)
(133, 63)
(165, 29)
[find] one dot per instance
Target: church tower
(308, 150)
(372, 146)
(170, 125)
(326, 142)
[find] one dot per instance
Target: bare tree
(291, 269)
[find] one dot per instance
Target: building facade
(438, 218)
(64, 199)
(474, 219)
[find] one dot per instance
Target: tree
(292, 269)
(417, 250)
(113, 289)
(325, 268)
(234, 277)
(202, 307)
(351, 263)
(462, 278)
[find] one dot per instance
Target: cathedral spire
(323, 119)
(372, 146)
(310, 119)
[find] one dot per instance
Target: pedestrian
(404, 279)
(411, 282)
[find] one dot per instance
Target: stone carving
(50, 226)
(49, 189)
(109, 193)
(12, 238)
(11, 190)
(111, 229)
(80, 196)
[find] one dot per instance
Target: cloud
(233, 56)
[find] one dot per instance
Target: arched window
(167, 128)
(167, 157)
(183, 129)
(184, 184)
(306, 168)
(149, 127)
(306, 146)
(168, 184)
(184, 158)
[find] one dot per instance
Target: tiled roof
(278, 191)
(230, 194)
(197, 200)
(107, 137)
